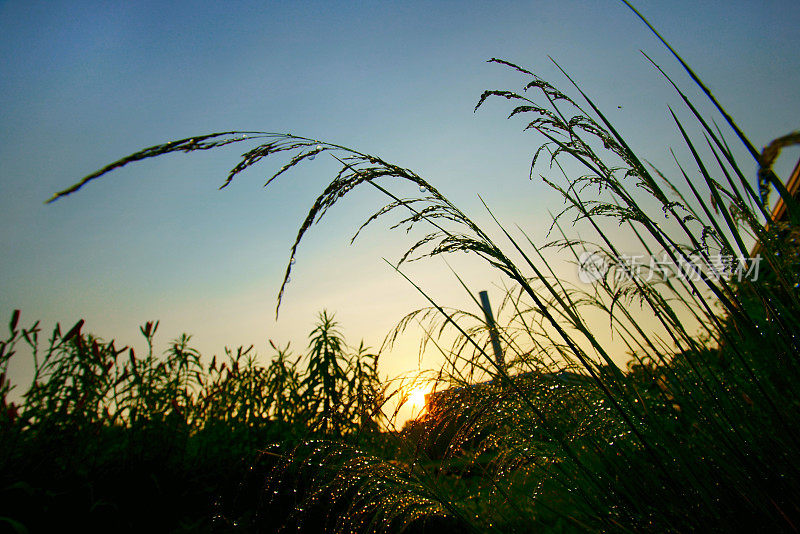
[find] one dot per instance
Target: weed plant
(697, 433)
(109, 440)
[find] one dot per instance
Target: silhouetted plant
(697, 433)
(97, 421)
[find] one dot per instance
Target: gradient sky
(82, 84)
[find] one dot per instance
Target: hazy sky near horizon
(83, 84)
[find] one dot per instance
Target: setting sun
(417, 397)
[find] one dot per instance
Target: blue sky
(85, 83)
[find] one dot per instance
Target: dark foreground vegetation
(698, 433)
(108, 440)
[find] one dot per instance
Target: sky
(83, 84)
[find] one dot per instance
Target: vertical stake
(487, 312)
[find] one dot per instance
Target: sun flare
(416, 397)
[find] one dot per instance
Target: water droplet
(288, 279)
(318, 147)
(422, 189)
(291, 261)
(312, 156)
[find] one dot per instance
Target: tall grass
(108, 439)
(698, 433)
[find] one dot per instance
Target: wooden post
(779, 212)
(487, 312)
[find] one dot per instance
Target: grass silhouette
(697, 433)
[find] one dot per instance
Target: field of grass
(110, 439)
(697, 432)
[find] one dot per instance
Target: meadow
(534, 424)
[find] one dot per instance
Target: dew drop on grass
(422, 189)
(317, 148)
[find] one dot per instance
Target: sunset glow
(417, 397)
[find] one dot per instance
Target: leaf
(18, 527)
(73, 331)
(14, 319)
